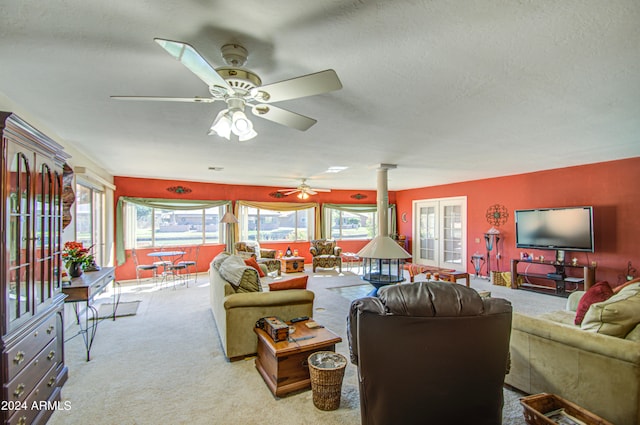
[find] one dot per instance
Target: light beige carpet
(165, 365)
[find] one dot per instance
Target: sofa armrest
(267, 253)
(573, 300)
(573, 336)
(278, 298)
(337, 251)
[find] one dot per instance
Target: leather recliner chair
(430, 353)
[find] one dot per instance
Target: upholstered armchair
(430, 352)
(264, 256)
(325, 254)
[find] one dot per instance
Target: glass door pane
(19, 237)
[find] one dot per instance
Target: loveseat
(598, 372)
(237, 302)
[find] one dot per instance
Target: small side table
(283, 365)
(351, 259)
(292, 264)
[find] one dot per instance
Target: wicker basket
(504, 279)
(537, 405)
(326, 369)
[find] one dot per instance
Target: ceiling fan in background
(304, 190)
(240, 88)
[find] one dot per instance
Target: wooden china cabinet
(31, 306)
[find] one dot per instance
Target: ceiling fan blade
(321, 190)
(289, 191)
(284, 117)
(190, 58)
(311, 192)
(166, 99)
(306, 85)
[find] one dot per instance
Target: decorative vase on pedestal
(75, 269)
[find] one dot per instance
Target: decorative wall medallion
(277, 195)
(359, 196)
(497, 215)
(404, 217)
(180, 190)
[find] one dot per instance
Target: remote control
(299, 319)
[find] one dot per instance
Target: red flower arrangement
(75, 252)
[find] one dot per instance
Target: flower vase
(75, 269)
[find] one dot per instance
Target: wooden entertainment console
(557, 273)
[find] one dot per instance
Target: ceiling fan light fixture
(222, 125)
(303, 195)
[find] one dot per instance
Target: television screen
(568, 229)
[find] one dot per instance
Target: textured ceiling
(447, 90)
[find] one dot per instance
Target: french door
(440, 232)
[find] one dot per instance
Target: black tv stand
(555, 272)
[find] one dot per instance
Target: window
(353, 221)
(348, 225)
(149, 227)
(262, 224)
(89, 220)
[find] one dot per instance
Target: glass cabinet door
(42, 235)
(19, 296)
(56, 234)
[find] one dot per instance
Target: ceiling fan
(304, 190)
(239, 87)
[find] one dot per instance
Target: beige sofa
(236, 310)
(596, 371)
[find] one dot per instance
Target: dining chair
(191, 261)
(174, 269)
(143, 267)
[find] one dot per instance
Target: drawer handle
(22, 420)
(19, 358)
(35, 334)
(51, 355)
(50, 329)
(18, 391)
(52, 381)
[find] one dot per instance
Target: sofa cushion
(253, 263)
(634, 335)
(295, 283)
(599, 292)
(243, 278)
(616, 316)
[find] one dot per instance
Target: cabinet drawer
(20, 387)
(21, 354)
(43, 392)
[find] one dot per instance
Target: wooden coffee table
(283, 365)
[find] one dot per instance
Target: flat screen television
(560, 229)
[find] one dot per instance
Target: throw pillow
(616, 316)
(251, 262)
(626, 284)
(599, 292)
(295, 283)
(242, 277)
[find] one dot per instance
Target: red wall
(155, 188)
(610, 187)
